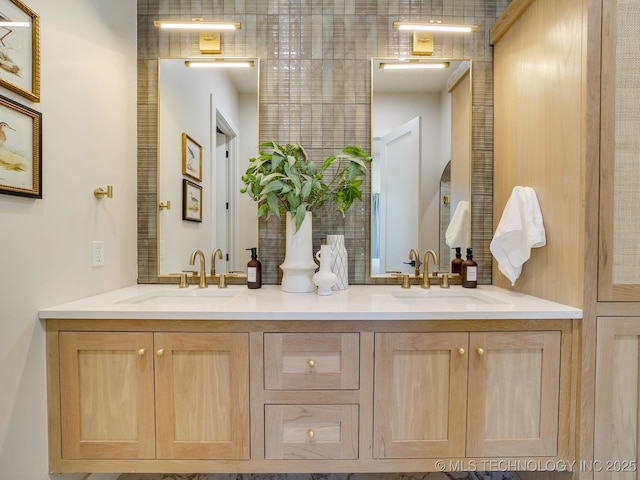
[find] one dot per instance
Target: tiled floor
(328, 476)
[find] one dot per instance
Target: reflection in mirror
(420, 121)
(217, 109)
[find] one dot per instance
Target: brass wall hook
(99, 193)
(165, 206)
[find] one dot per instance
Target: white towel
(457, 234)
(520, 229)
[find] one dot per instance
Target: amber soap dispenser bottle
(254, 270)
(456, 263)
(469, 271)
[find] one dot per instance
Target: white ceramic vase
(340, 263)
(325, 278)
(298, 266)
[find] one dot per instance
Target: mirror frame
(465, 68)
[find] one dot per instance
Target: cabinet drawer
(311, 361)
(311, 432)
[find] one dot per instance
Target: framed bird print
(20, 49)
(191, 158)
(191, 201)
(20, 149)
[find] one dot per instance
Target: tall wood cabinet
(617, 385)
(566, 123)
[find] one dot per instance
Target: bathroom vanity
(155, 378)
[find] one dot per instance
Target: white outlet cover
(97, 253)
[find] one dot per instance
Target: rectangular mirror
(207, 130)
(421, 149)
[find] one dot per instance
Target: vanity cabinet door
(106, 388)
(420, 395)
(202, 395)
(617, 398)
(513, 398)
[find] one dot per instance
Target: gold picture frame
(191, 201)
(20, 49)
(191, 158)
(20, 149)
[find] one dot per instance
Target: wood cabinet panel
(619, 256)
(514, 381)
(202, 395)
(106, 383)
(617, 403)
(420, 395)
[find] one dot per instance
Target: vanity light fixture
(196, 24)
(435, 26)
(210, 41)
(215, 63)
(412, 64)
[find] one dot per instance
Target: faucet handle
(406, 283)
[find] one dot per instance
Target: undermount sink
(443, 296)
(183, 296)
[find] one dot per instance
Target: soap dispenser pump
(254, 270)
(456, 263)
(469, 271)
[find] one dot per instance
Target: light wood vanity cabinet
(478, 394)
(145, 395)
(306, 396)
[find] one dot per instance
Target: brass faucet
(213, 260)
(425, 275)
(415, 256)
(203, 271)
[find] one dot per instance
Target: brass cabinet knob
(480, 351)
(311, 362)
(461, 351)
(142, 351)
(160, 351)
(311, 433)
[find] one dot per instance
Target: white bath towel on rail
(520, 229)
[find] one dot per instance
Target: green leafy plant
(282, 178)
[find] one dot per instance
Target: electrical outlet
(97, 253)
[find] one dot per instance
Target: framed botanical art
(191, 201)
(20, 49)
(20, 149)
(191, 158)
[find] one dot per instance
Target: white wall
(88, 92)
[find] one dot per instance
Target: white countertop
(358, 302)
